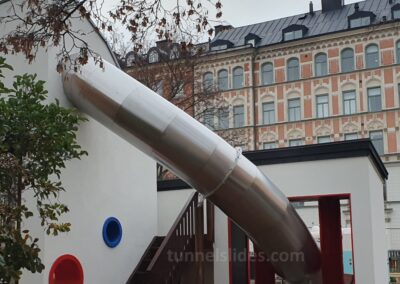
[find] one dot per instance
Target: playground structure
(193, 152)
(233, 183)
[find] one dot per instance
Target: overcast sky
(244, 12)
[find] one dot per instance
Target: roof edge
(306, 153)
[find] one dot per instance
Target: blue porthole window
(112, 232)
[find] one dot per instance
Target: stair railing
(177, 248)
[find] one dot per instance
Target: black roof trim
(396, 7)
(173, 184)
(360, 14)
(221, 42)
(251, 36)
(295, 27)
(314, 152)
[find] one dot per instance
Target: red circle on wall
(66, 270)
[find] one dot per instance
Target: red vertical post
(331, 240)
(264, 272)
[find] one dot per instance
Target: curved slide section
(202, 159)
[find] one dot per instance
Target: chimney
(311, 8)
(330, 5)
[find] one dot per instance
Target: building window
(377, 140)
(360, 22)
(174, 53)
(269, 145)
(238, 116)
(294, 111)
(159, 87)
(295, 142)
(374, 99)
(223, 80)
(350, 136)
(323, 139)
(321, 65)
(223, 118)
(372, 56)
(293, 70)
(349, 102)
(179, 90)
(238, 77)
(398, 92)
(207, 81)
(219, 47)
(268, 113)
(209, 119)
(347, 60)
(293, 35)
(322, 106)
(398, 51)
(251, 42)
(153, 56)
(267, 73)
(396, 12)
(130, 60)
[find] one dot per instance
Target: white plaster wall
(378, 227)
(393, 226)
(393, 182)
(170, 204)
(221, 248)
(114, 180)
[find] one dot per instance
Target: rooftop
(316, 23)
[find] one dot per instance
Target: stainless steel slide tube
(202, 159)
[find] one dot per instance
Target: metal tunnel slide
(202, 159)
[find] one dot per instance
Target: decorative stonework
(322, 88)
(269, 137)
(323, 130)
(294, 134)
(375, 124)
(350, 127)
(267, 97)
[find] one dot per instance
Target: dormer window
(361, 19)
(153, 56)
(360, 22)
(293, 35)
(294, 32)
(220, 44)
(252, 39)
(396, 12)
(174, 53)
(130, 59)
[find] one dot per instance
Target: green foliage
(37, 138)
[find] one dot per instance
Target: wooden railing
(178, 246)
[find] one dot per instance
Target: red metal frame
(294, 199)
(230, 249)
